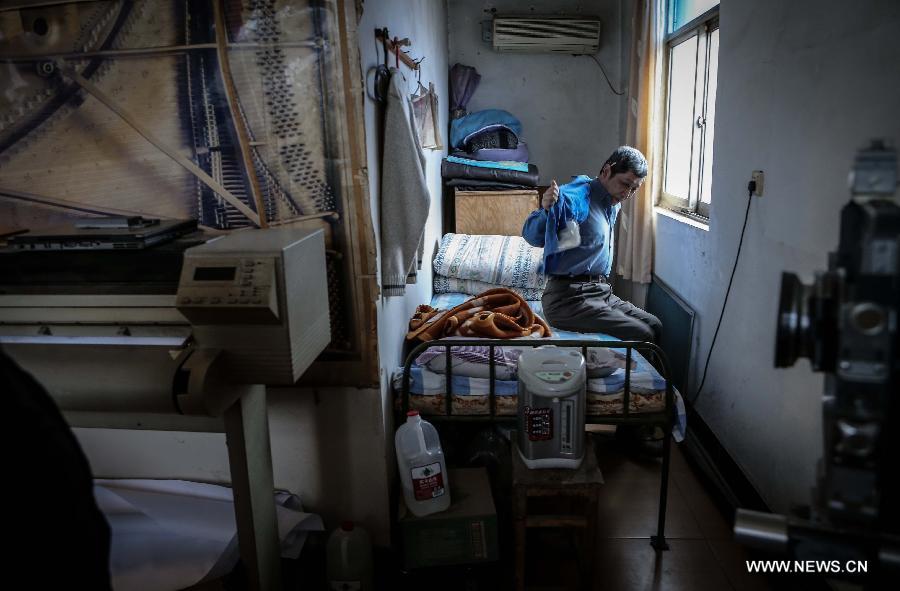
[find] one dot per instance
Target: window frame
(702, 27)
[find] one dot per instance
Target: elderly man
(575, 226)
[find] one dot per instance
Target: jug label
(344, 585)
(428, 482)
(539, 423)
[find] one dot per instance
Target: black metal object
(663, 417)
(154, 270)
(845, 323)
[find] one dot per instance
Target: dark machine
(846, 324)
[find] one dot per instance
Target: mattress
(471, 395)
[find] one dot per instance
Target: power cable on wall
(602, 69)
(751, 187)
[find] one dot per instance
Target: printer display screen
(214, 273)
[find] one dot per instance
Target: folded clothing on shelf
(454, 170)
(499, 164)
(479, 185)
(517, 154)
(464, 129)
(500, 137)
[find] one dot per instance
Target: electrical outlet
(758, 177)
(487, 31)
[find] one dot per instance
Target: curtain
(636, 228)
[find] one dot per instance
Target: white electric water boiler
(552, 384)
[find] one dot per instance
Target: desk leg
(250, 459)
(590, 538)
(520, 514)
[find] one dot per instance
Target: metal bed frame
(664, 417)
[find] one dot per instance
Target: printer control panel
(228, 290)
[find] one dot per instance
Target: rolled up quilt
(497, 260)
(452, 170)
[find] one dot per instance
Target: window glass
(680, 128)
(713, 76)
(682, 12)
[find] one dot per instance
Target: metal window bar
(664, 417)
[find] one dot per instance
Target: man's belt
(585, 278)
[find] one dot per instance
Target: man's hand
(550, 196)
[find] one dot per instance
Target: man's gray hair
(627, 159)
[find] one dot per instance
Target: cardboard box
(466, 533)
(494, 212)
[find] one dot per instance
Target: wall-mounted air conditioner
(541, 34)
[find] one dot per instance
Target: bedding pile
(488, 175)
(509, 272)
(488, 153)
(470, 381)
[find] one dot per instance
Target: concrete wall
(801, 86)
(425, 24)
(571, 119)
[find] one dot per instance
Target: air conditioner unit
(541, 34)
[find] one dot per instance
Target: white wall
(425, 24)
(571, 120)
(801, 86)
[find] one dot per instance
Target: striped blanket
(496, 313)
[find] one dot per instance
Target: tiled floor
(702, 554)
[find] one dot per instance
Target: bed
(466, 379)
(471, 393)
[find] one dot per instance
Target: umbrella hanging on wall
(463, 82)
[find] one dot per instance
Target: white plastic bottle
(423, 472)
(349, 559)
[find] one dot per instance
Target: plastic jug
(423, 472)
(349, 559)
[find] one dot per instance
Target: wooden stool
(582, 483)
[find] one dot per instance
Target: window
(692, 54)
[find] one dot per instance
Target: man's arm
(536, 225)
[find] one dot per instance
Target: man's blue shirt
(595, 253)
